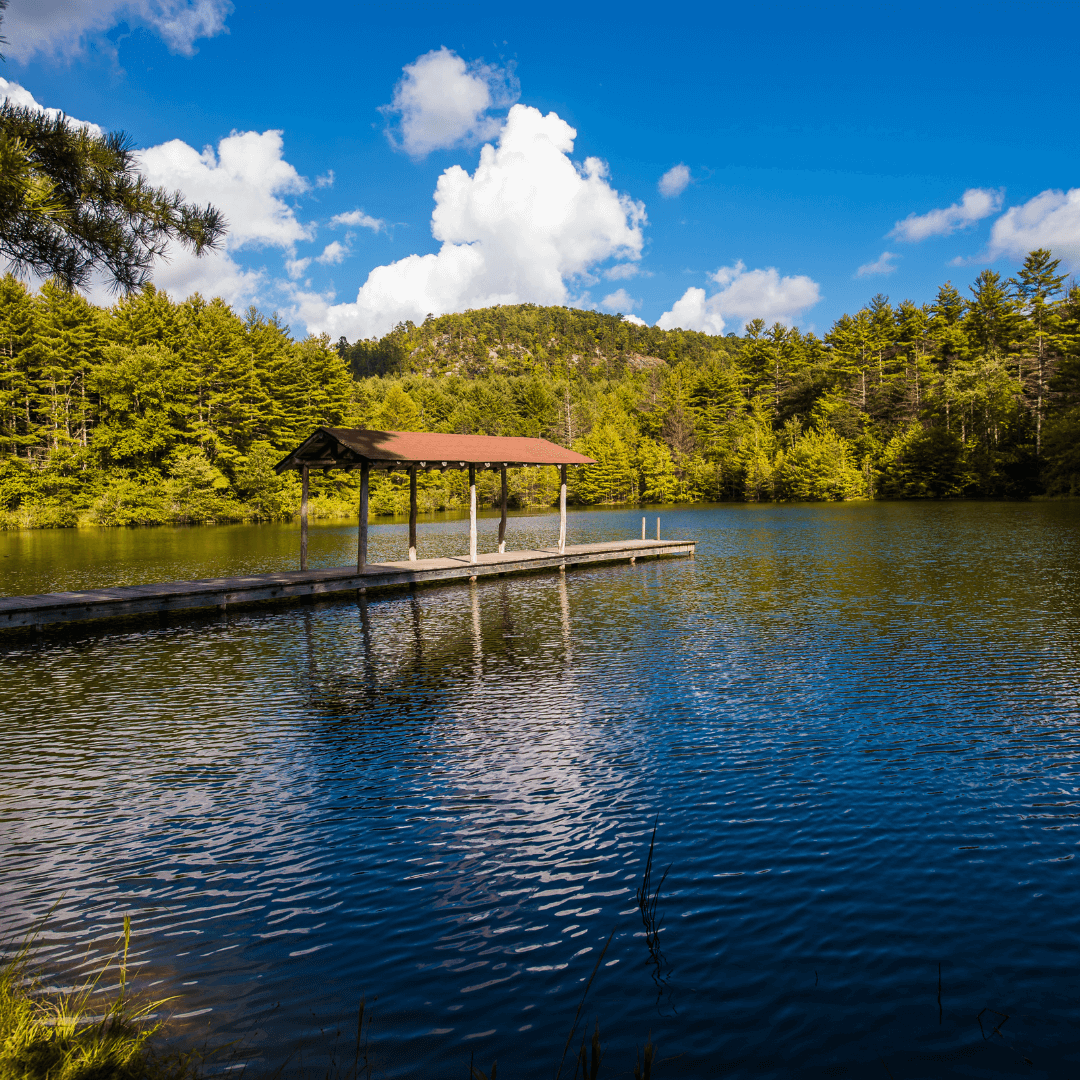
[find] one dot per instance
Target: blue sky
(805, 135)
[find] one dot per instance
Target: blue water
(855, 727)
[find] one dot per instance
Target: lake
(854, 726)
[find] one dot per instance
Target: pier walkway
(37, 612)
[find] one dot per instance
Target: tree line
(151, 411)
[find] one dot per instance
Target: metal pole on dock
(472, 513)
(303, 516)
(562, 509)
(412, 513)
(361, 542)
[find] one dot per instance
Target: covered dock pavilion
(412, 451)
(351, 448)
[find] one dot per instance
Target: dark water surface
(856, 724)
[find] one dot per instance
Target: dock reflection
(412, 647)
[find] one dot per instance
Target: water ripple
(854, 725)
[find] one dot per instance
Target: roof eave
(291, 460)
(335, 453)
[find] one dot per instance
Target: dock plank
(23, 612)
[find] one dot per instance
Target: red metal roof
(342, 447)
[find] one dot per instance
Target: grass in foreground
(77, 1035)
(87, 1034)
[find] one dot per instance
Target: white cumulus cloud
(744, 295)
(245, 179)
(976, 204)
(635, 320)
(358, 217)
(63, 27)
(620, 300)
(622, 271)
(19, 95)
(527, 220)
(674, 181)
(1049, 220)
(693, 311)
(441, 101)
(883, 264)
(334, 252)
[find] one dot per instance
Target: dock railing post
(642, 528)
(303, 516)
(502, 520)
(657, 528)
(361, 541)
(412, 513)
(472, 513)
(562, 509)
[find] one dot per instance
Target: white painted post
(642, 528)
(562, 509)
(472, 513)
(303, 516)
(412, 513)
(361, 543)
(502, 520)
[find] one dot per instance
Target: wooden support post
(361, 542)
(412, 513)
(562, 509)
(472, 513)
(642, 528)
(502, 520)
(303, 516)
(657, 528)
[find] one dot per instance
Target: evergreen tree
(72, 202)
(18, 331)
(1033, 287)
(154, 411)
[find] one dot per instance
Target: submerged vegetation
(152, 411)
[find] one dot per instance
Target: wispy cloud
(334, 252)
(296, 267)
(620, 300)
(976, 204)
(64, 27)
(358, 217)
(674, 181)
(883, 264)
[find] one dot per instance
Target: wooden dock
(37, 612)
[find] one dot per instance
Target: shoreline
(452, 513)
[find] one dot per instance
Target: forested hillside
(151, 411)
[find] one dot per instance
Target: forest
(151, 411)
